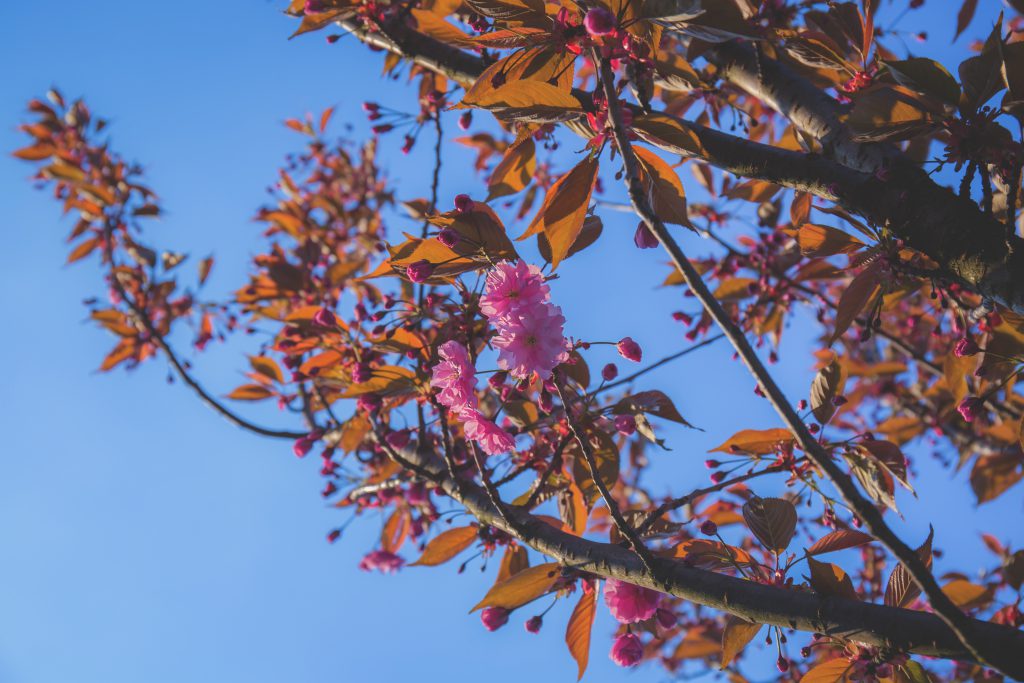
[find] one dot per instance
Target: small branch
(143, 318)
(677, 503)
(667, 359)
(627, 531)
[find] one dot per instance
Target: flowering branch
(957, 621)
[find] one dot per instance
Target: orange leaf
(521, 588)
(735, 636)
(664, 187)
(515, 560)
(577, 633)
(514, 171)
(561, 216)
(832, 671)
(250, 392)
(446, 545)
(861, 290)
(756, 441)
(266, 367)
(818, 241)
(830, 580)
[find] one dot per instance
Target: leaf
(861, 290)
(521, 588)
(994, 474)
(964, 16)
(267, 367)
(250, 392)
(561, 216)
(395, 529)
(667, 196)
(446, 545)
(756, 441)
(817, 241)
(901, 590)
(967, 595)
(926, 76)
(592, 229)
(36, 152)
(830, 580)
(891, 457)
(889, 113)
(432, 24)
(708, 554)
(800, 208)
(578, 630)
(514, 171)
(736, 635)
(840, 539)
(386, 380)
(509, 10)
(832, 671)
(668, 133)
(515, 560)
(773, 521)
(827, 384)
(652, 402)
(483, 235)
(530, 102)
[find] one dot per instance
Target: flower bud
(419, 271)
(629, 349)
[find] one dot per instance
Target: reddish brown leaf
(773, 521)
(840, 539)
(561, 216)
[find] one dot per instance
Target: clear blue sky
(145, 539)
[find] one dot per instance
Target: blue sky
(144, 538)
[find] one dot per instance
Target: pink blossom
(532, 343)
(324, 318)
(513, 289)
(627, 650)
(629, 349)
(381, 560)
(492, 439)
(599, 22)
(448, 237)
(609, 372)
(630, 603)
(625, 424)
(666, 618)
(644, 238)
(534, 623)
(966, 347)
(398, 439)
(419, 271)
(494, 618)
(455, 378)
(970, 408)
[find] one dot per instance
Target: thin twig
(613, 507)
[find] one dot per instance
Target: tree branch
(909, 630)
(954, 618)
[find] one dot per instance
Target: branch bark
(909, 630)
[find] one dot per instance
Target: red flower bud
(419, 271)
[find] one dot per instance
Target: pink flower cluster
(629, 603)
(530, 338)
(383, 561)
(454, 378)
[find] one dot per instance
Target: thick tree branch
(903, 629)
(954, 618)
(968, 245)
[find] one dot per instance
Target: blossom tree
(433, 371)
